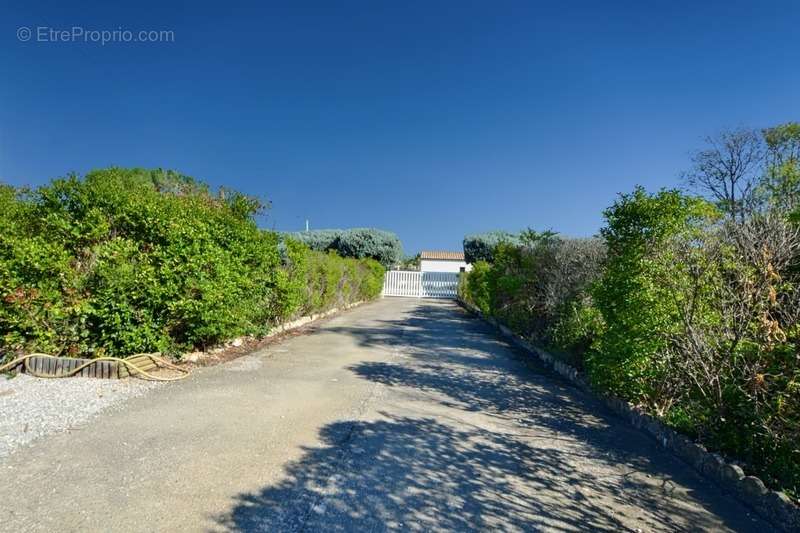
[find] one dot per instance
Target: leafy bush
(692, 316)
(480, 247)
(539, 287)
(383, 246)
(473, 287)
(320, 240)
(732, 360)
(324, 280)
(131, 260)
(701, 319)
(639, 314)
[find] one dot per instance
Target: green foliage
(383, 246)
(576, 328)
(480, 247)
(324, 280)
(320, 240)
(410, 262)
(132, 260)
(732, 357)
(638, 313)
(782, 180)
(699, 320)
(689, 315)
(540, 288)
(474, 287)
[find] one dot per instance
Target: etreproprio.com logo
(79, 34)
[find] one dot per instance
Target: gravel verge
(31, 408)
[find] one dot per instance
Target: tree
(410, 262)
(782, 179)
(729, 170)
(480, 247)
(383, 246)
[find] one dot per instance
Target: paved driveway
(401, 414)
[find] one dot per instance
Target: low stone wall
(771, 505)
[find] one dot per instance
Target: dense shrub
(383, 246)
(473, 287)
(540, 288)
(359, 243)
(702, 326)
(323, 280)
(125, 261)
(320, 240)
(638, 312)
(733, 358)
(689, 314)
(480, 247)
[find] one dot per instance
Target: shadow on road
(406, 472)
(555, 459)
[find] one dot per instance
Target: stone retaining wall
(772, 505)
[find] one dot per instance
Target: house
(436, 261)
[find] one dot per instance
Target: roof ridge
(442, 254)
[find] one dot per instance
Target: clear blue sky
(432, 119)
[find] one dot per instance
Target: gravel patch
(31, 408)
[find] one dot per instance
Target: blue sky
(432, 119)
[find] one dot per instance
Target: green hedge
(323, 280)
(689, 315)
(131, 260)
(539, 288)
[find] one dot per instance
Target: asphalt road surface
(398, 415)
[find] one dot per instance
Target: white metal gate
(420, 284)
(439, 284)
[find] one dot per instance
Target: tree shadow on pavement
(555, 459)
(417, 474)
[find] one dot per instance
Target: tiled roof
(446, 256)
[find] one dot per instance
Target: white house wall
(440, 265)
